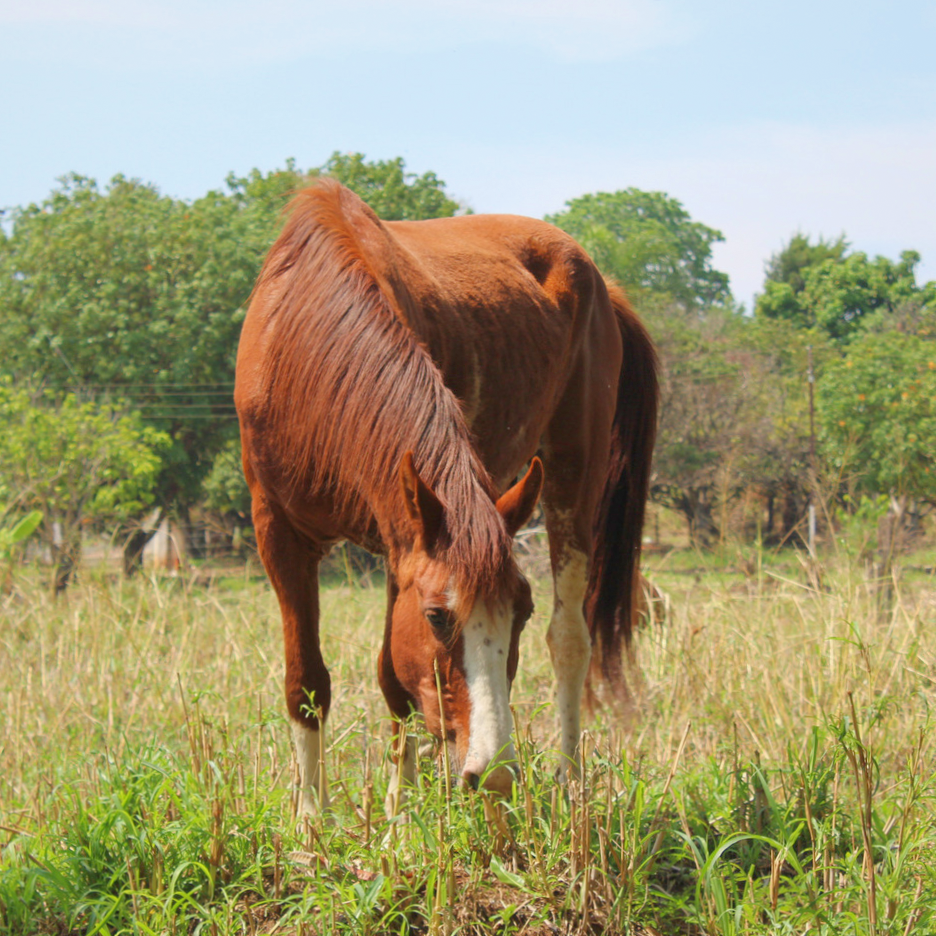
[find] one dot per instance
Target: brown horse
(392, 380)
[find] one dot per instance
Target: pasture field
(778, 776)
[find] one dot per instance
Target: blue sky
(761, 118)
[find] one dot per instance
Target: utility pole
(811, 378)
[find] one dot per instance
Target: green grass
(777, 779)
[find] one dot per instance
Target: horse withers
(393, 380)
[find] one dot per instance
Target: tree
(649, 243)
(788, 266)
(80, 464)
(128, 294)
(393, 193)
(842, 295)
(784, 464)
(877, 409)
(871, 324)
(711, 416)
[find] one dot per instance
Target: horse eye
(439, 618)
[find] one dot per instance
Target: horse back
(508, 307)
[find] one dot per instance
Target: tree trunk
(768, 532)
(898, 530)
(182, 535)
(66, 553)
(133, 550)
(791, 512)
(696, 506)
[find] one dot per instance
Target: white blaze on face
(486, 638)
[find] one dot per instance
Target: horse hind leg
(292, 566)
(568, 638)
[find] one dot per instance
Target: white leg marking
(313, 783)
(570, 649)
(403, 774)
(486, 639)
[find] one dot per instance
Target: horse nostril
(472, 779)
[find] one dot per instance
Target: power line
(155, 394)
(219, 385)
(216, 416)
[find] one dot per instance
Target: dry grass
(779, 775)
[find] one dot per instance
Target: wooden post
(811, 379)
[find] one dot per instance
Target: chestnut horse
(392, 380)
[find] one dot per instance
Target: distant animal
(393, 379)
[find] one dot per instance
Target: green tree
(788, 266)
(842, 295)
(711, 419)
(80, 464)
(785, 471)
(649, 243)
(877, 407)
(226, 491)
(394, 193)
(127, 293)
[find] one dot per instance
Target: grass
(779, 777)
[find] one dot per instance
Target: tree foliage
(121, 296)
(80, 464)
(873, 327)
(225, 489)
(394, 193)
(842, 295)
(12, 536)
(731, 420)
(649, 243)
(789, 265)
(124, 292)
(877, 407)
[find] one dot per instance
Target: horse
(393, 380)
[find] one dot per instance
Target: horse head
(454, 650)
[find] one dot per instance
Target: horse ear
(516, 505)
(424, 508)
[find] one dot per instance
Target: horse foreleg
(292, 565)
(310, 756)
(401, 704)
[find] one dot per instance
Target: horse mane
(362, 390)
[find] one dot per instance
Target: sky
(761, 118)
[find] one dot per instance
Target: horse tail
(613, 582)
